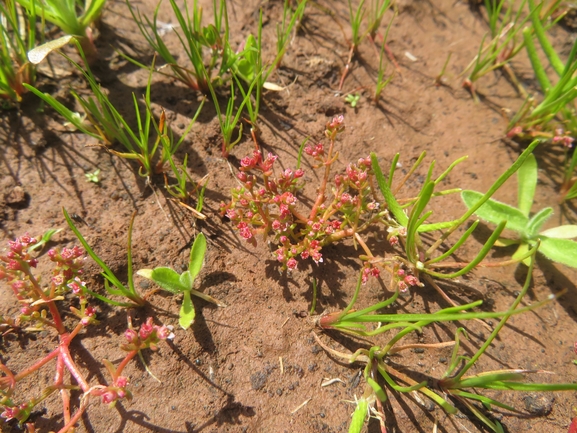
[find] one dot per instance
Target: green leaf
(186, 280)
(379, 392)
(521, 251)
(390, 199)
(187, 313)
(359, 415)
(562, 251)
(166, 278)
(197, 256)
(562, 232)
(527, 182)
(494, 211)
(538, 220)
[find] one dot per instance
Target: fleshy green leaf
(527, 182)
(187, 313)
(494, 211)
(197, 256)
(562, 232)
(538, 220)
(562, 251)
(166, 278)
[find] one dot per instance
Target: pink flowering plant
(41, 310)
(267, 202)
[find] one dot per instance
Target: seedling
(381, 81)
(176, 283)
(17, 37)
(109, 276)
(195, 40)
(375, 16)
(180, 190)
(353, 99)
(102, 121)
(230, 119)
(93, 177)
(504, 44)
(290, 20)
(554, 243)
(65, 14)
(46, 237)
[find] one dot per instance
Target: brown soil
(249, 366)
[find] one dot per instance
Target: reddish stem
(321, 194)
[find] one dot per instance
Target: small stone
(16, 196)
(419, 350)
(539, 404)
(279, 392)
(144, 284)
(258, 380)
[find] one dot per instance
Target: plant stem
(321, 194)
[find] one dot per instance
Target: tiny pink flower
(109, 397)
(291, 263)
(402, 286)
(130, 335)
(146, 329)
(411, 280)
(242, 176)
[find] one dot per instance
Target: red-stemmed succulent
(267, 203)
(41, 310)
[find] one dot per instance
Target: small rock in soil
(258, 380)
(539, 404)
(16, 196)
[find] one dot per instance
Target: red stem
(321, 194)
(36, 366)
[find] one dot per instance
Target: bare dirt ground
(247, 367)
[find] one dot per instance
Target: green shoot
(352, 99)
(93, 177)
(230, 118)
(109, 276)
(175, 283)
(290, 20)
(65, 15)
(103, 122)
(195, 39)
(46, 237)
(17, 37)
